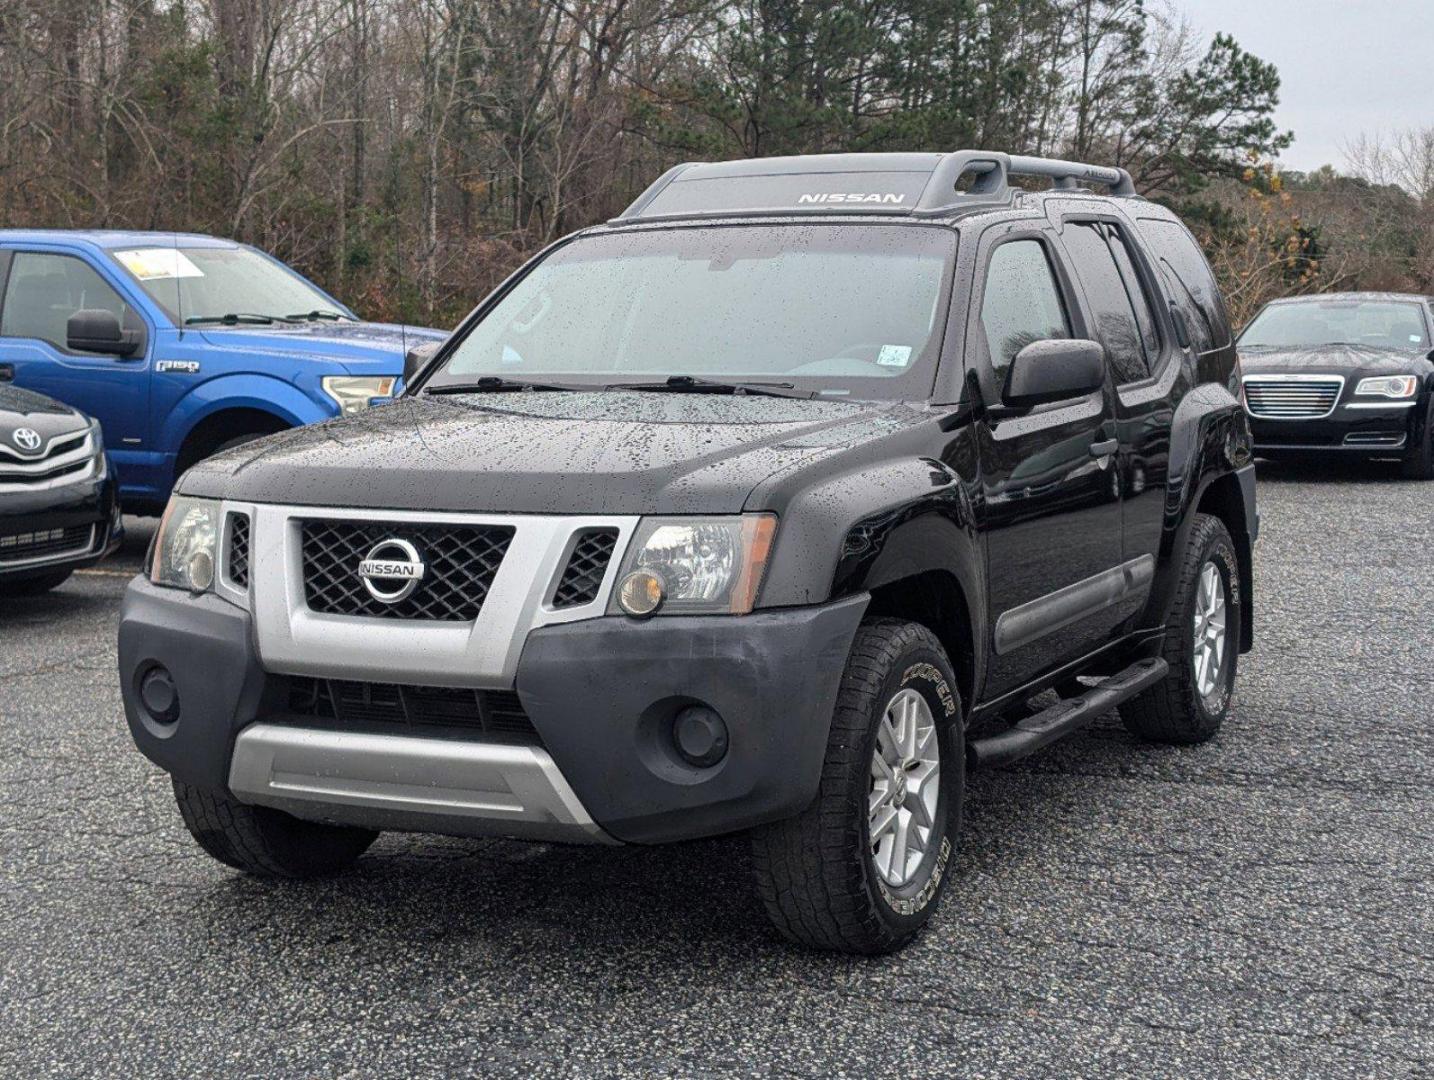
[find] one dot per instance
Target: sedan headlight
(355, 393)
(1390, 386)
(186, 544)
(693, 566)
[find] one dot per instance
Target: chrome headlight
(355, 393)
(186, 544)
(1390, 386)
(693, 566)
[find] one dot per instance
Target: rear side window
(1021, 302)
(44, 290)
(1189, 281)
(1092, 247)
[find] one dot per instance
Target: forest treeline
(407, 154)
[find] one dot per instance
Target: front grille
(67, 456)
(44, 544)
(460, 562)
(495, 714)
(586, 566)
(238, 554)
(1292, 399)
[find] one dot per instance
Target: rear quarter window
(1188, 281)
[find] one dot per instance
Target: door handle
(1101, 449)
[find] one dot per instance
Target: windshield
(1379, 324)
(202, 284)
(848, 310)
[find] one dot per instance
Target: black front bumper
(1380, 431)
(600, 694)
(88, 504)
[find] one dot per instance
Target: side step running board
(1065, 716)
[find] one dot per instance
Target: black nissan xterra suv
(770, 505)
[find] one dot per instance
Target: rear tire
(266, 842)
(1189, 704)
(819, 874)
(1419, 463)
(35, 586)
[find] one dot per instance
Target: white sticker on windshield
(894, 355)
(154, 264)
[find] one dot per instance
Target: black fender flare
(1209, 440)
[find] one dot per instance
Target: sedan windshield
(1378, 324)
(831, 310)
(206, 284)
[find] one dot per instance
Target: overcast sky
(1346, 66)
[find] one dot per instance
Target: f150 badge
(184, 367)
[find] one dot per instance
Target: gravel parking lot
(1258, 906)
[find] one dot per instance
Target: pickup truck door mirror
(1054, 370)
(417, 358)
(98, 331)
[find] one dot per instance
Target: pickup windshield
(1379, 324)
(206, 284)
(847, 310)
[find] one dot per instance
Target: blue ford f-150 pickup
(182, 345)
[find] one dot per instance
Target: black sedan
(1344, 373)
(58, 510)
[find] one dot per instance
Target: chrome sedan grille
(1291, 397)
(460, 562)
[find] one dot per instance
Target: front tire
(265, 842)
(863, 868)
(1202, 644)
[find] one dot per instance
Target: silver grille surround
(69, 459)
(1292, 397)
(292, 639)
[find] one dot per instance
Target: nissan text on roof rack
(766, 506)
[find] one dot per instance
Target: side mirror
(416, 359)
(99, 331)
(1054, 370)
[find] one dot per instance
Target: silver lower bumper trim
(409, 784)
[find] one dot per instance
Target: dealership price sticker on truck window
(155, 264)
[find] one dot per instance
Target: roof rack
(907, 184)
(992, 172)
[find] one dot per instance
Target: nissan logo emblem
(391, 571)
(27, 439)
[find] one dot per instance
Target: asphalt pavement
(1262, 905)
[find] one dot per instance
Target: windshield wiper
(490, 383)
(316, 315)
(235, 318)
(691, 385)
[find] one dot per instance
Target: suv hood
(612, 452)
(362, 348)
(42, 415)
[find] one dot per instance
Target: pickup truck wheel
(1202, 645)
(266, 842)
(862, 869)
(34, 586)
